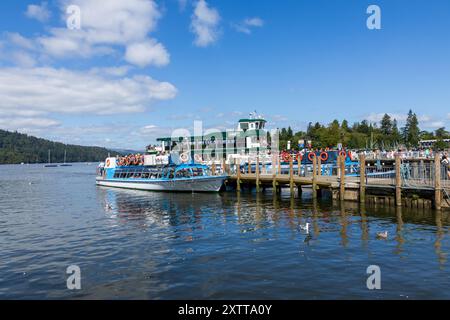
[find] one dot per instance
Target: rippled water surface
(143, 245)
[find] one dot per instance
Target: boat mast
(49, 156)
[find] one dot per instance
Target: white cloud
(111, 71)
(105, 27)
(26, 125)
(425, 121)
(435, 124)
(204, 24)
(254, 22)
(147, 53)
(182, 4)
(23, 59)
(247, 24)
(38, 12)
(45, 90)
(376, 117)
(20, 41)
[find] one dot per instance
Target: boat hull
(209, 184)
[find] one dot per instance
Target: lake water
(143, 245)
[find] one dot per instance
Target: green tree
(411, 131)
(386, 125)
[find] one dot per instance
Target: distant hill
(18, 147)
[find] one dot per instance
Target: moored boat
(186, 177)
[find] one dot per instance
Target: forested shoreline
(21, 148)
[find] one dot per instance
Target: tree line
(385, 135)
(17, 148)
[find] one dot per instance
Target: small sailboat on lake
(65, 164)
(50, 165)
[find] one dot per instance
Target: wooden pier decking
(430, 189)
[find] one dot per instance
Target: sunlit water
(143, 245)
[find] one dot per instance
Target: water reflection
(441, 254)
(364, 225)
(399, 231)
(136, 244)
(275, 212)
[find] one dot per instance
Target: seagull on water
(382, 235)
(305, 227)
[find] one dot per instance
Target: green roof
(252, 120)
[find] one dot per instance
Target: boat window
(183, 173)
(197, 172)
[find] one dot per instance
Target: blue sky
(138, 69)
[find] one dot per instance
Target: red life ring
(324, 156)
(286, 157)
(311, 155)
(342, 153)
(108, 162)
(299, 157)
(350, 155)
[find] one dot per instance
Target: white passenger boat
(181, 178)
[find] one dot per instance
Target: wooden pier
(413, 184)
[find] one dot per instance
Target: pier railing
(398, 177)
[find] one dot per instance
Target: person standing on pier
(446, 163)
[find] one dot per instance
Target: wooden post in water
(398, 181)
(274, 173)
(257, 174)
(291, 176)
(213, 168)
(238, 175)
(314, 175)
(249, 165)
(342, 178)
(319, 166)
(362, 178)
(279, 164)
(437, 182)
(299, 165)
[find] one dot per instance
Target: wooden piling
(362, 178)
(213, 168)
(398, 181)
(274, 173)
(342, 178)
(257, 174)
(291, 176)
(299, 166)
(437, 182)
(249, 165)
(238, 174)
(279, 164)
(319, 166)
(314, 175)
